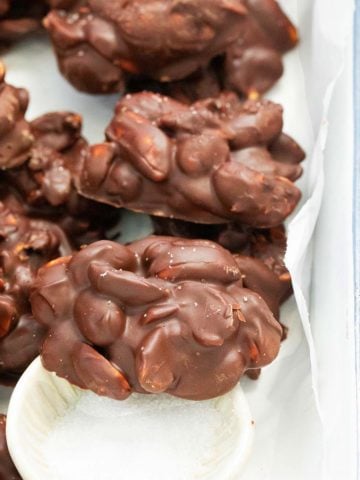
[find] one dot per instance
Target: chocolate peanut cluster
(25, 245)
(40, 160)
(7, 468)
(216, 161)
(98, 44)
(46, 179)
(166, 313)
(160, 315)
(101, 46)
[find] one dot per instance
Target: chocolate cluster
(99, 44)
(160, 315)
(25, 245)
(40, 159)
(19, 18)
(7, 468)
(46, 179)
(216, 161)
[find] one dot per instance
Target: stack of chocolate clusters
(193, 144)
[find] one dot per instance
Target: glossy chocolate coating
(99, 43)
(15, 136)
(163, 314)
(259, 253)
(7, 468)
(45, 179)
(254, 62)
(25, 245)
(19, 18)
(261, 260)
(210, 162)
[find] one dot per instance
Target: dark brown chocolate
(259, 252)
(45, 179)
(25, 245)
(210, 162)
(40, 159)
(101, 46)
(7, 468)
(266, 272)
(19, 18)
(204, 83)
(98, 44)
(15, 135)
(254, 62)
(160, 315)
(250, 67)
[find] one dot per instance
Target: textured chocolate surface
(259, 253)
(251, 65)
(19, 18)
(99, 44)
(160, 315)
(45, 179)
(46, 176)
(25, 245)
(211, 162)
(7, 468)
(15, 135)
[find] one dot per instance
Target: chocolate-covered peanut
(160, 315)
(7, 468)
(210, 162)
(25, 245)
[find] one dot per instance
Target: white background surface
(303, 405)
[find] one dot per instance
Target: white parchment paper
(294, 400)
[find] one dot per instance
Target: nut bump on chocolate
(160, 315)
(253, 63)
(259, 253)
(210, 162)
